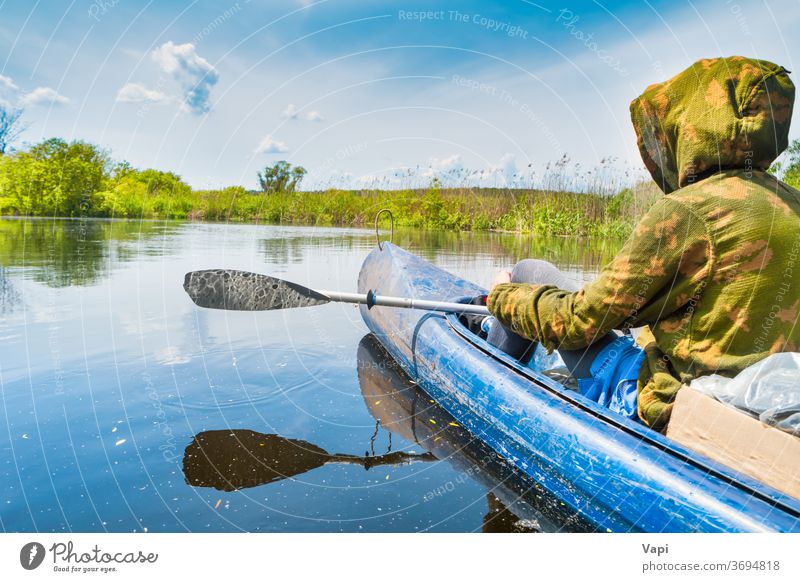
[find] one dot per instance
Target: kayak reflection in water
(690, 270)
(233, 459)
(515, 504)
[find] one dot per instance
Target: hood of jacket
(718, 114)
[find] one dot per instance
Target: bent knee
(543, 273)
(534, 271)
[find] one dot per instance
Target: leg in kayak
(545, 273)
(606, 370)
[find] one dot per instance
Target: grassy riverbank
(554, 213)
(57, 178)
(557, 213)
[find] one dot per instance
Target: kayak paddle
(244, 291)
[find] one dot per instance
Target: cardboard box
(737, 440)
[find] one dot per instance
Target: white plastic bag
(769, 390)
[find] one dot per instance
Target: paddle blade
(243, 291)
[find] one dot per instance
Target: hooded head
(718, 114)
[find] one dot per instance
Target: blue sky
(363, 93)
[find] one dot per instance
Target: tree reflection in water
(63, 252)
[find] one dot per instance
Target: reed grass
(459, 209)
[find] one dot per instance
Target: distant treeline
(59, 178)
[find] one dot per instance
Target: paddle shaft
(371, 299)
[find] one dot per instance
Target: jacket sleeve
(661, 267)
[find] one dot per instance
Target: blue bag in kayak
(615, 371)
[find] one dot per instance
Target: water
(126, 408)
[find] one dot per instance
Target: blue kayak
(616, 474)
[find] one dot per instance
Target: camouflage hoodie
(712, 268)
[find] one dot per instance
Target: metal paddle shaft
(371, 299)
(244, 291)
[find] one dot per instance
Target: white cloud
(269, 145)
(42, 96)
(447, 164)
(446, 169)
(290, 112)
(450, 171)
(10, 92)
(195, 74)
(7, 84)
(136, 93)
(505, 169)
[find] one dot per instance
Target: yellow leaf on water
(219, 502)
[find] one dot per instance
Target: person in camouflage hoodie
(712, 268)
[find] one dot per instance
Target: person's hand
(500, 278)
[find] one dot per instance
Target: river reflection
(570, 252)
(119, 395)
(64, 253)
(233, 459)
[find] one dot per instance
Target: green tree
(791, 174)
(53, 178)
(788, 166)
(281, 177)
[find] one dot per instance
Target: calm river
(126, 408)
